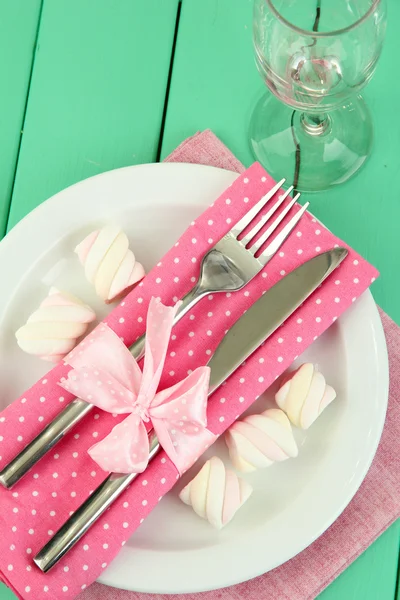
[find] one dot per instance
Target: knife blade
(269, 312)
(242, 339)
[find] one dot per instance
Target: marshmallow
(54, 328)
(257, 441)
(109, 264)
(304, 396)
(216, 493)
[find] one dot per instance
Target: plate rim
(106, 577)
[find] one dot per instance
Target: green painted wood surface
(18, 26)
(373, 575)
(97, 102)
(97, 93)
(6, 593)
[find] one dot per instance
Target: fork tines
(250, 240)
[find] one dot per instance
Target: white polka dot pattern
(65, 493)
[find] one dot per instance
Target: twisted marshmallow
(53, 330)
(304, 396)
(108, 262)
(260, 440)
(216, 493)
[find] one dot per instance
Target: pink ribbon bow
(106, 374)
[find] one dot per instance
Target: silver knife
(242, 339)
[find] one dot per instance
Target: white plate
(294, 502)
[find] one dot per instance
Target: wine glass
(315, 56)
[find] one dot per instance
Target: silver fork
(228, 266)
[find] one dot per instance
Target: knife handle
(87, 514)
(76, 410)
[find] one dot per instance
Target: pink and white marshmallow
(55, 327)
(109, 263)
(257, 441)
(304, 396)
(216, 493)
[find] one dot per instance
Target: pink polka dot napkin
(41, 502)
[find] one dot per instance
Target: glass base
(323, 155)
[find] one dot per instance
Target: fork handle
(76, 410)
(187, 302)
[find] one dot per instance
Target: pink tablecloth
(374, 508)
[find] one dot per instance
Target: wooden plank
(214, 81)
(370, 577)
(215, 85)
(18, 27)
(6, 593)
(97, 93)
(398, 578)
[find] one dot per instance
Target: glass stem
(315, 124)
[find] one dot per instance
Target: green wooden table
(90, 85)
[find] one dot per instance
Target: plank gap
(5, 227)
(167, 89)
